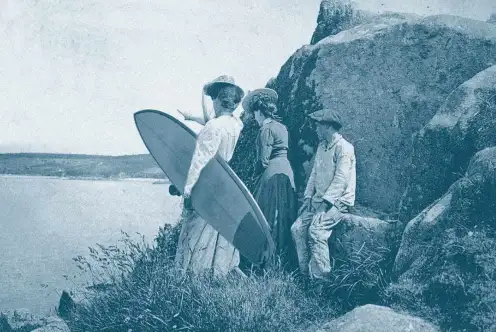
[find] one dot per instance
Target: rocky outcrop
(23, 321)
(465, 124)
(447, 257)
(388, 78)
(336, 16)
(372, 318)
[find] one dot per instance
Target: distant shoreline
(83, 178)
(81, 167)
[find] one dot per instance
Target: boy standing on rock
(329, 194)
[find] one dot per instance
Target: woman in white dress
(201, 248)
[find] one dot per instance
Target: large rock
(372, 318)
(360, 249)
(389, 78)
(360, 234)
(447, 257)
(465, 124)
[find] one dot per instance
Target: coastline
(85, 178)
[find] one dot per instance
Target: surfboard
(219, 196)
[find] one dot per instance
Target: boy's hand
(305, 206)
(323, 207)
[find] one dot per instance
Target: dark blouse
(272, 141)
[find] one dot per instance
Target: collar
(266, 121)
(224, 114)
(336, 137)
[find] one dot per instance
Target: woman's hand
(259, 169)
(173, 191)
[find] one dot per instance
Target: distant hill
(76, 165)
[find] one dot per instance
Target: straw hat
(223, 80)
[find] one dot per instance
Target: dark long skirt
(277, 199)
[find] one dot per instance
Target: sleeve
(207, 145)
(344, 163)
(310, 189)
(208, 112)
(266, 145)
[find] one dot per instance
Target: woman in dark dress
(275, 190)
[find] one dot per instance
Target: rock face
(447, 257)
(465, 124)
(389, 78)
(372, 318)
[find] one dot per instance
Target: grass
(139, 289)
(362, 277)
(144, 292)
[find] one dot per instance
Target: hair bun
(271, 108)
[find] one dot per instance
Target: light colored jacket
(219, 136)
(333, 176)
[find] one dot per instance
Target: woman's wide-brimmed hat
(222, 80)
(255, 95)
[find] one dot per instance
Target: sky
(73, 74)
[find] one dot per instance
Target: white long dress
(200, 247)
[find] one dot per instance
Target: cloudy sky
(72, 74)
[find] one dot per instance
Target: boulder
(360, 250)
(372, 318)
(20, 320)
(447, 257)
(465, 124)
(388, 77)
(360, 234)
